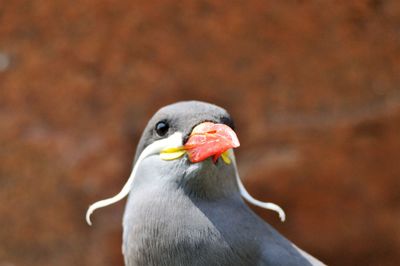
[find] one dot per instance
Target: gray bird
(185, 205)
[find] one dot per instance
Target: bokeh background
(314, 87)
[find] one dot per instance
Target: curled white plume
(174, 140)
(249, 198)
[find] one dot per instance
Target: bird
(186, 203)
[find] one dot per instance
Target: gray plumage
(183, 213)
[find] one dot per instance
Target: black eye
(228, 121)
(162, 128)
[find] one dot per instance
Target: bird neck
(206, 180)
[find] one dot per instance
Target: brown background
(313, 85)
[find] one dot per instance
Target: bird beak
(209, 139)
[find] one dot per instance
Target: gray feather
(179, 213)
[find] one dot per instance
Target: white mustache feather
(243, 192)
(174, 140)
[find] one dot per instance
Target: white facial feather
(266, 205)
(156, 147)
(174, 140)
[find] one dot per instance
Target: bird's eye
(162, 128)
(228, 121)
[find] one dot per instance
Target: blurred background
(314, 87)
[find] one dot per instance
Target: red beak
(209, 139)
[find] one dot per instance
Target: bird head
(191, 145)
